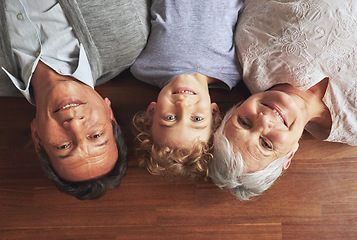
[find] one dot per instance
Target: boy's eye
(170, 117)
(243, 122)
(197, 119)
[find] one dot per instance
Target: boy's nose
(184, 103)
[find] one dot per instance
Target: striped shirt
(39, 31)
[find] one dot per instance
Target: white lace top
(301, 42)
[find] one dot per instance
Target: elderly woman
(300, 63)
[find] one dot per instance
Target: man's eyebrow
(65, 156)
(102, 143)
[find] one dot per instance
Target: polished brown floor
(315, 199)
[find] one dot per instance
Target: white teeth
(185, 91)
(69, 105)
(278, 114)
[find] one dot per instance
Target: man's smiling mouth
(67, 104)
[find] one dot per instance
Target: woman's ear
(288, 160)
(150, 111)
(35, 138)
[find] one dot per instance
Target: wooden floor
(315, 199)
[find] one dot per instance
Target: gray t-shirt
(190, 36)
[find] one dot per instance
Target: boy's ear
(108, 103)
(215, 107)
(35, 138)
(150, 111)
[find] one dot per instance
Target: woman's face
(267, 126)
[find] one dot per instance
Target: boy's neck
(204, 78)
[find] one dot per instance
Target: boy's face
(182, 113)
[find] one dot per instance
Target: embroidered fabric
(301, 42)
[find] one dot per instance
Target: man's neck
(43, 78)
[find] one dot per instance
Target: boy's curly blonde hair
(174, 162)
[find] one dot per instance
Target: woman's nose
(265, 121)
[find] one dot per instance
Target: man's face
(182, 113)
(267, 126)
(74, 127)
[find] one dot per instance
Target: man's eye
(170, 117)
(197, 119)
(243, 122)
(64, 146)
(265, 144)
(98, 135)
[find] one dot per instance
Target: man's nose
(74, 123)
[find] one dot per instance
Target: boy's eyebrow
(164, 125)
(198, 127)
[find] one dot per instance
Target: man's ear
(288, 160)
(150, 111)
(215, 107)
(35, 138)
(108, 103)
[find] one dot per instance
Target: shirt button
(19, 16)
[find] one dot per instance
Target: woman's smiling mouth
(278, 112)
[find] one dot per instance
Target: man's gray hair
(227, 167)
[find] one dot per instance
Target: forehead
(182, 135)
(81, 168)
(87, 160)
(247, 144)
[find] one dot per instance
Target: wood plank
(316, 198)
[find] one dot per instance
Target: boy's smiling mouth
(187, 91)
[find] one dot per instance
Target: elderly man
(55, 52)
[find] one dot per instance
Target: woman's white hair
(227, 167)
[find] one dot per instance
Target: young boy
(190, 48)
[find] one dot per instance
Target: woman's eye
(266, 144)
(197, 118)
(243, 122)
(170, 117)
(64, 146)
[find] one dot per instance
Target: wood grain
(315, 199)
